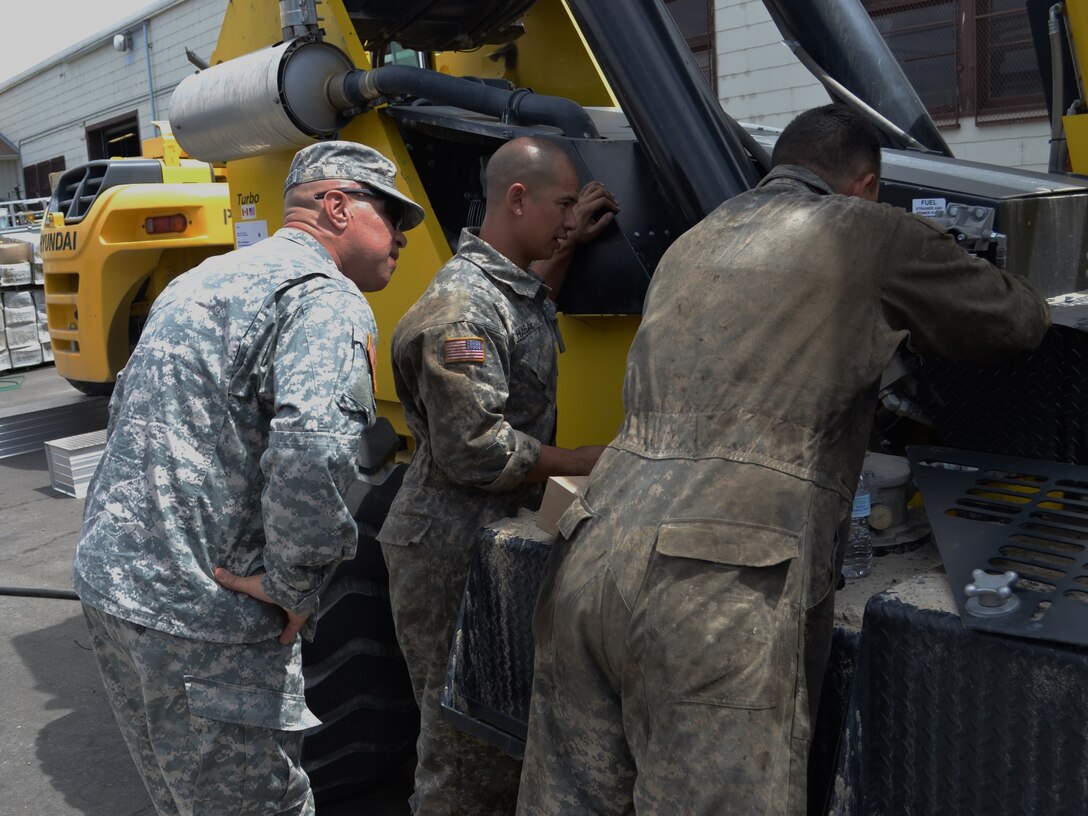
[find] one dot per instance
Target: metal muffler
(259, 103)
(297, 93)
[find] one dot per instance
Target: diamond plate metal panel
(1035, 407)
(955, 722)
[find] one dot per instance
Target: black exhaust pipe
(359, 87)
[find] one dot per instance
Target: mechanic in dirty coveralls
(217, 511)
(684, 623)
(474, 364)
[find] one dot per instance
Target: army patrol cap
(353, 162)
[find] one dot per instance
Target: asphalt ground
(60, 750)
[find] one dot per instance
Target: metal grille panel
(25, 429)
(1001, 513)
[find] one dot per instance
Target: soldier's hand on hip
(253, 586)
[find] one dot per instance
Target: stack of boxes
(24, 340)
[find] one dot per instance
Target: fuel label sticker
(929, 207)
(248, 233)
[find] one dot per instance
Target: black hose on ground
(37, 592)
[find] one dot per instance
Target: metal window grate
(1009, 83)
(695, 19)
(922, 37)
(985, 67)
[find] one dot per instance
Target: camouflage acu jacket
(474, 364)
(232, 439)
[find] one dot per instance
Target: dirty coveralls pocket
(402, 529)
(572, 518)
(249, 744)
(718, 611)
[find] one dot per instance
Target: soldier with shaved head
(474, 364)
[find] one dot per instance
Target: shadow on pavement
(35, 460)
(80, 753)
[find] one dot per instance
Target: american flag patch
(465, 350)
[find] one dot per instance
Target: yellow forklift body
(1076, 125)
(103, 272)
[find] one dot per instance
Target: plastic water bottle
(859, 547)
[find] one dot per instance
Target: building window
(116, 138)
(695, 19)
(965, 57)
(36, 177)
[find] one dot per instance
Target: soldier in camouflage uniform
(684, 624)
(217, 514)
(474, 363)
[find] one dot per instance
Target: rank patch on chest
(464, 350)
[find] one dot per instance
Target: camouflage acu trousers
(677, 686)
(456, 773)
(212, 727)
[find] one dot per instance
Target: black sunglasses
(394, 210)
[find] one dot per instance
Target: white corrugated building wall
(47, 111)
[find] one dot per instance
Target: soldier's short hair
(833, 141)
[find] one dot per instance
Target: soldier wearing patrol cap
(217, 511)
(475, 366)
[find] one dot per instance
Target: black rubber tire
(356, 679)
(92, 389)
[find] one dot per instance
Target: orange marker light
(166, 223)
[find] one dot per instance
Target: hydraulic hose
(1058, 145)
(357, 88)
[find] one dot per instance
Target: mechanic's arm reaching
(471, 439)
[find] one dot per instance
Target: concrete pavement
(60, 750)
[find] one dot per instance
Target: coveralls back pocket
(719, 612)
(249, 747)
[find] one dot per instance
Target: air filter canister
(267, 101)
